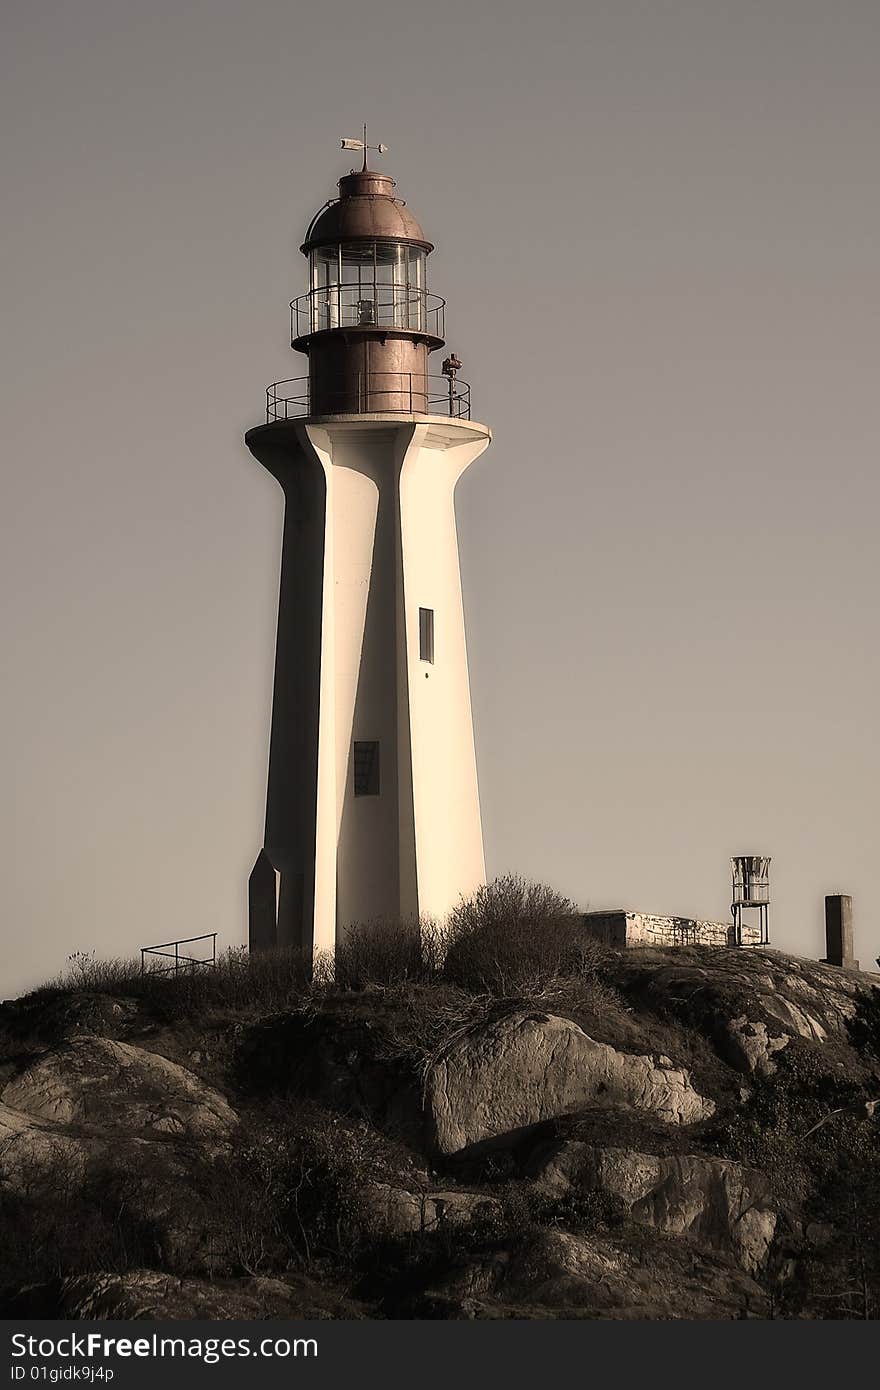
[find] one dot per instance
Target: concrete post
(839, 931)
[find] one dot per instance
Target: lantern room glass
(365, 284)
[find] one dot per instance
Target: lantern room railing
(399, 393)
(368, 305)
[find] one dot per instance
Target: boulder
(505, 1076)
(716, 1203)
(115, 1087)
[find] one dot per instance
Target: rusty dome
(366, 210)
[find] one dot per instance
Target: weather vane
(362, 145)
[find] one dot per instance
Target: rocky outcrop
(750, 1003)
(164, 1186)
(592, 1182)
(147, 1295)
(115, 1087)
(554, 1273)
(713, 1202)
(508, 1075)
(107, 1114)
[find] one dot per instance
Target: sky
(657, 227)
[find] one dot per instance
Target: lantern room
(368, 321)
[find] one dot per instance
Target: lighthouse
(372, 809)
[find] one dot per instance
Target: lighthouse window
(366, 768)
(368, 284)
(391, 263)
(426, 634)
(325, 304)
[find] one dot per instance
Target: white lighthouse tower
(372, 807)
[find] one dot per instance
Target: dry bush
(373, 955)
(298, 1184)
(594, 1005)
(66, 1222)
(381, 953)
(514, 937)
(421, 1022)
(385, 954)
(239, 982)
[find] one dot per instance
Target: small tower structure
(372, 805)
(839, 949)
(751, 899)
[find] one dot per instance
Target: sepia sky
(657, 227)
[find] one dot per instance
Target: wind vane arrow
(347, 144)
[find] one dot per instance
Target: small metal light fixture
(450, 367)
(751, 893)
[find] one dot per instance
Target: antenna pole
(364, 170)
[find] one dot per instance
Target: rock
(748, 1002)
(26, 1146)
(749, 1043)
(505, 1076)
(396, 1211)
(556, 1273)
(115, 1087)
(148, 1295)
(792, 1016)
(714, 1202)
(748, 1046)
(162, 1185)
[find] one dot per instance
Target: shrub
(421, 1022)
(514, 937)
(311, 1170)
(381, 954)
(864, 1026)
(239, 981)
(581, 1211)
(66, 1222)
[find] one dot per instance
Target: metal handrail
(354, 304)
(175, 955)
(452, 396)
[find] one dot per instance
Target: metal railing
(178, 962)
(399, 393)
(368, 306)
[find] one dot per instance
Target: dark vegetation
(292, 1192)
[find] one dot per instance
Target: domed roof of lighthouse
(366, 210)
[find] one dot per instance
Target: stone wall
(646, 929)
